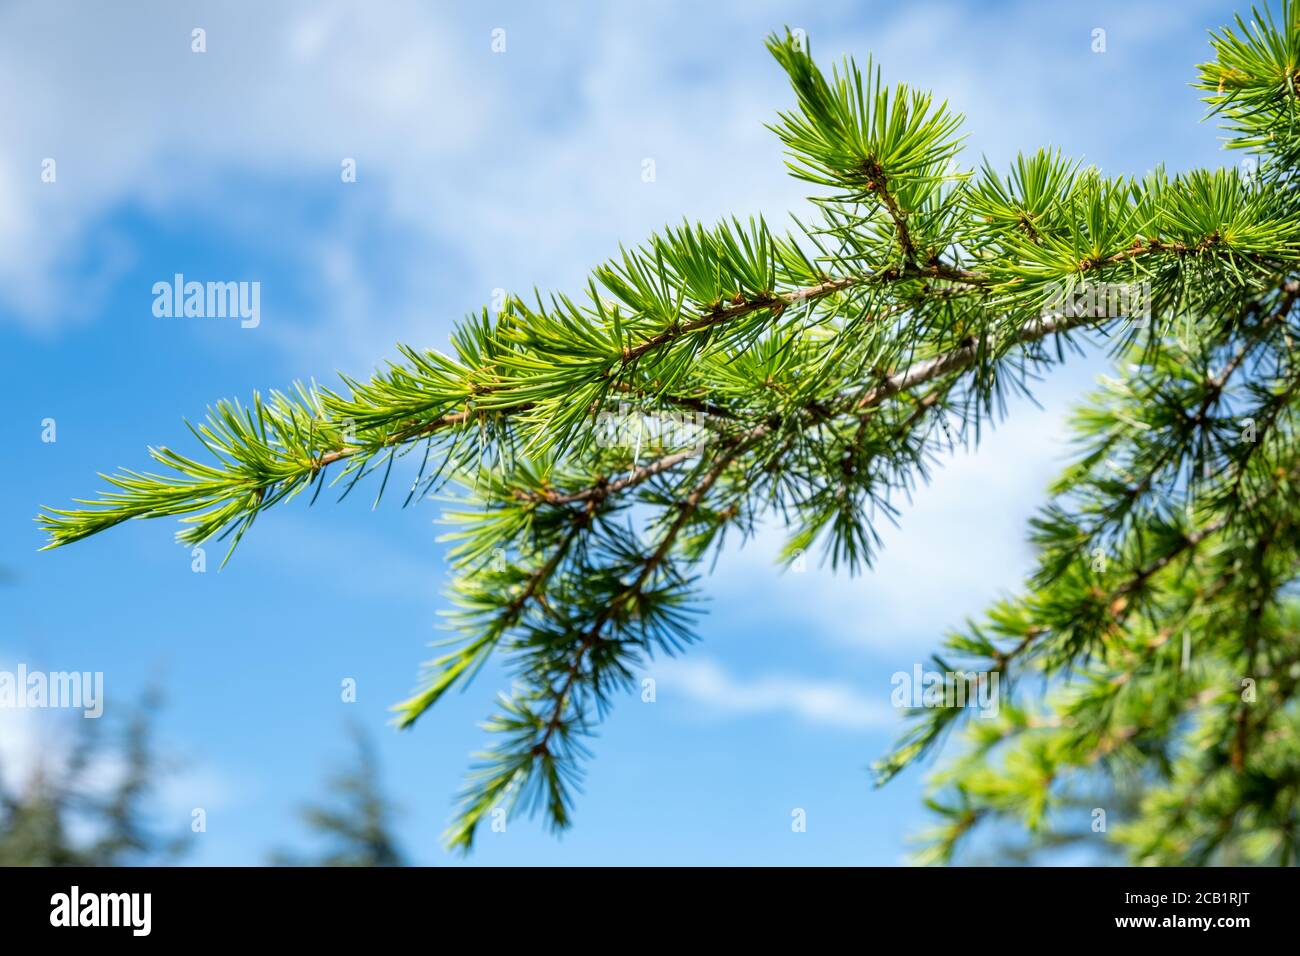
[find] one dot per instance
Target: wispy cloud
(475, 170)
(826, 703)
(40, 743)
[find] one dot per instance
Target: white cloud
(41, 744)
(21, 748)
(826, 703)
(477, 170)
(134, 118)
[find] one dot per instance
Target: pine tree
(55, 818)
(358, 824)
(596, 450)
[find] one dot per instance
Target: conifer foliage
(825, 368)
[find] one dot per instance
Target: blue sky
(479, 171)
